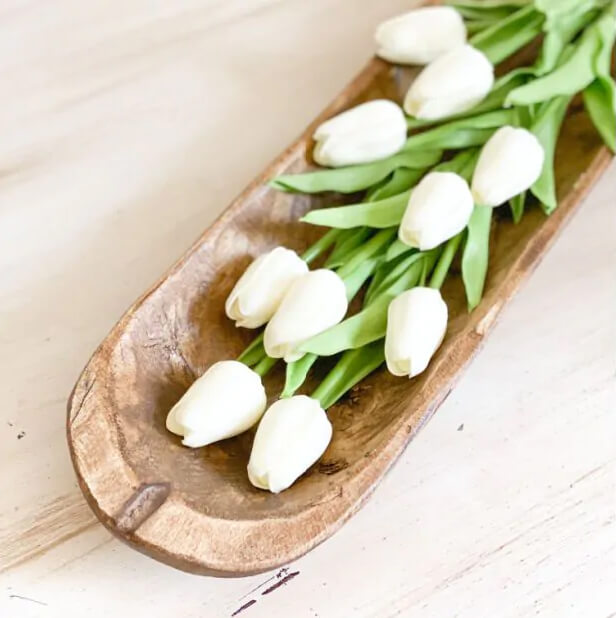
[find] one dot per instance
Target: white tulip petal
(368, 132)
(291, 436)
(172, 424)
(420, 36)
(259, 291)
(313, 303)
(416, 325)
(509, 163)
(451, 84)
(439, 207)
(225, 401)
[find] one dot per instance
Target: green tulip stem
(424, 273)
(352, 367)
(262, 368)
(320, 246)
(253, 354)
(444, 262)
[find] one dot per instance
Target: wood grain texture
(54, 522)
(206, 517)
(115, 117)
(115, 100)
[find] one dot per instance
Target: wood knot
(142, 505)
(333, 466)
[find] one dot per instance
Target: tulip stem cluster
(514, 125)
(476, 143)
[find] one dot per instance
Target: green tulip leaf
(296, 373)
(516, 205)
(553, 52)
(375, 247)
(382, 214)
(489, 14)
(379, 274)
(559, 36)
(396, 249)
(352, 368)
(465, 166)
(364, 327)
(461, 133)
(526, 116)
(606, 27)
(401, 180)
(546, 128)
(478, 25)
(475, 254)
(510, 34)
(600, 95)
(558, 12)
(600, 102)
(463, 163)
(348, 241)
(356, 177)
(391, 273)
(449, 139)
(573, 75)
(354, 281)
(487, 4)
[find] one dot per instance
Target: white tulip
(312, 304)
(258, 292)
(439, 207)
(509, 163)
(226, 400)
(365, 133)
(291, 436)
(416, 325)
(451, 84)
(420, 36)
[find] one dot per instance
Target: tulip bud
(451, 84)
(291, 436)
(509, 163)
(439, 207)
(312, 304)
(365, 133)
(225, 401)
(420, 36)
(416, 325)
(259, 291)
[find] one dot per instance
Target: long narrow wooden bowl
(195, 509)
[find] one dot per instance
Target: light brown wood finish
(195, 509)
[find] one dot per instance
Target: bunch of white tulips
(297, 304)
(229, 397)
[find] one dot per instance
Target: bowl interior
(180, 329)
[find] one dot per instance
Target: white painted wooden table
(126, 126)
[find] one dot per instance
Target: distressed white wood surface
(126, 126)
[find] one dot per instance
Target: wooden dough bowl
(195, 509)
